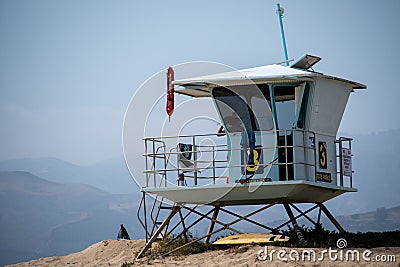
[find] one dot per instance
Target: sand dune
(115, 253)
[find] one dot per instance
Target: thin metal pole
(280, 15)
(145, 215)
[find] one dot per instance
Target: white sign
(346, 162)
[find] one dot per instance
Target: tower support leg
(331, 218)
(174, 210)
(212, 224)
(183, 225)
(294, 222)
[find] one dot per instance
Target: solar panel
(306, 62)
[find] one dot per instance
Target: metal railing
(210, 161)
(344, 160)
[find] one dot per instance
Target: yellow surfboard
(256, 238)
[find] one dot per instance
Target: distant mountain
(111, 176)
(383, 219)
(40, 218)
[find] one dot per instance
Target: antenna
(279, 12)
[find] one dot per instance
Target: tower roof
(198, 86)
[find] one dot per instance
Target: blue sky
(68, 69)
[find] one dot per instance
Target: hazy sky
(68, 69)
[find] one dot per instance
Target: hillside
(111, 175)
(382, 219)
(41, 218)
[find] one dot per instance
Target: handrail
(216, 163)
(216, 134)
(201, 167)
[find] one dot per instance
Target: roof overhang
(199, 86)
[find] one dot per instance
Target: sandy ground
(115, 253)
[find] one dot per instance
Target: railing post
(194, 160)
(213, 163)
(165, 163)
(315, 157)
(154, 164)
(147, 164)
(340, 162)
(286, 157)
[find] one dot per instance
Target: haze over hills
(41, 218)
(111, 175)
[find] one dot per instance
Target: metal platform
(298, 191)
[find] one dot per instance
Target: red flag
(170, 91)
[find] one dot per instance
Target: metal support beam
(178, 223)
(294, 222)
(319, 215)
(248, 220)
(217, 221)
(303, 213)
(190, 226)
(296, 217)
(183, 225)
(215, 211)
(145, 216)
(331, 218)
(174, 210)
(225, 226)
(212, 224)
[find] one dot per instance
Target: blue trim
(299, 106)
(273, 107)
(280, 15)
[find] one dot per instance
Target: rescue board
(255, 238)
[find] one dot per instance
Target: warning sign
(346, 162)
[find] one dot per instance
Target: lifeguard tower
(277, 145)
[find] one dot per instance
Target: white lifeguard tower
(278, 146)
